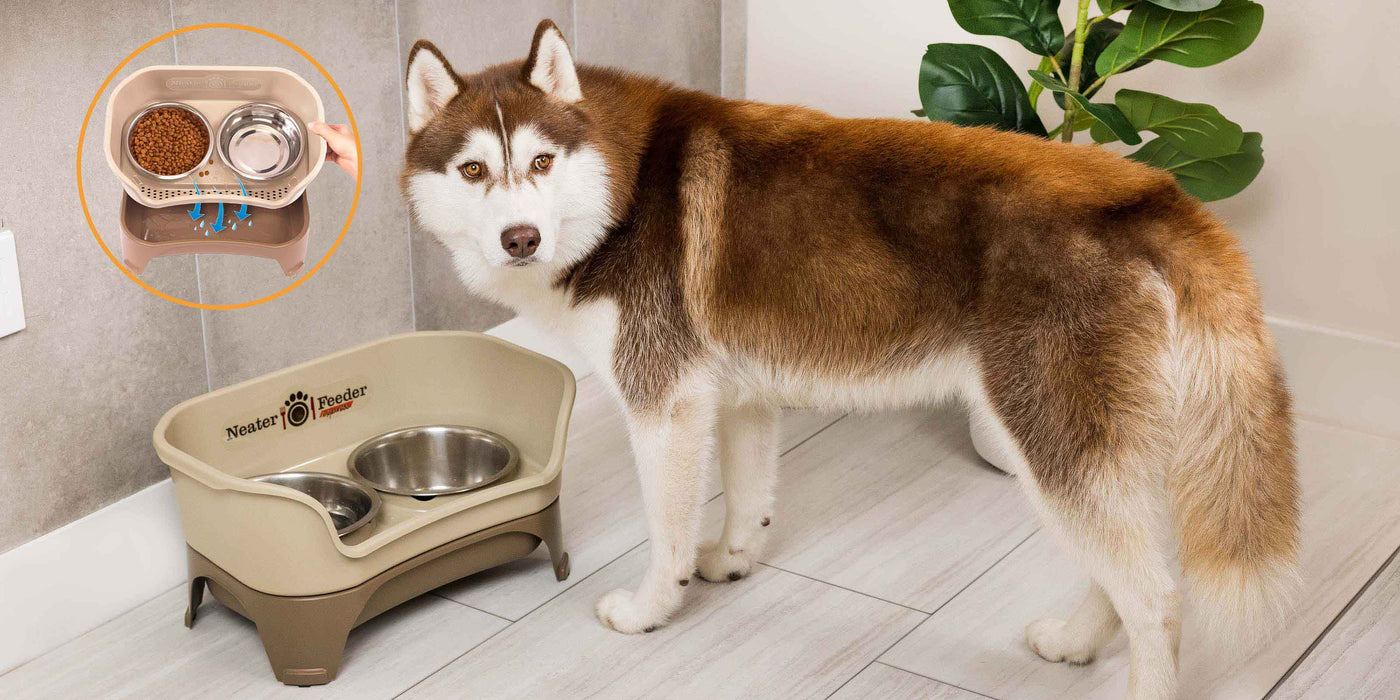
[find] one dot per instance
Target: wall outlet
(11, 300)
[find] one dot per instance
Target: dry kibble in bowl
(168, 141)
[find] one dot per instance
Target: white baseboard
(83, 574)
(1344, 378)
(87, 572)
(529, 336)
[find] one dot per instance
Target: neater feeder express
(274, 555)
(245, 196)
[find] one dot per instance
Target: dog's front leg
(671, 448)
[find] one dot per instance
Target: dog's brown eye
(543, 161)
(472, 170)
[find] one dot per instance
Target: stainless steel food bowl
(126, 139)
(351, 505)
(433, 460)
(260, 141)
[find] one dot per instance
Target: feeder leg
(552, 532)
(303, 640)
(293, 270)
(135, 261)
(196, 597)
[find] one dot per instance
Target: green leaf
(1109, 7)
(1046, 63)
(1208, 179)
(1186, 5)
(1192, 39)
(971, 85)
(1033, 23)
(1100, 36)
(1108, 115)
(918, 112)
(1192, 128)
(1084, 120)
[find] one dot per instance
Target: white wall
(1319, 83)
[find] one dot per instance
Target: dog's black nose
(520, 241)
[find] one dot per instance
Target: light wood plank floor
(900, 567)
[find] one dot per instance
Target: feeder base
(304, 636)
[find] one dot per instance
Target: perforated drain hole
(174, 193)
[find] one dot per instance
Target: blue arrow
(243, 210)
(219, 223)
(197, 212)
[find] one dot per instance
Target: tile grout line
(1337, 425)
(1328, 629)
(721, 50)
(930, 616)
(784, 453)
(435, 594)
(570, 585)
(403, 134)
(198, 278)
(925, 613)
(935, 680)
(85, 634)
(815, 433)
(522, 617)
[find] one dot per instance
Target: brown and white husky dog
(717, 259)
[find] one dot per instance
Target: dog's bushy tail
(1233, 484)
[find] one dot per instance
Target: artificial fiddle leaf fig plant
(1210, 156)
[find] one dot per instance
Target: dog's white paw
(618, 610)
(1049, 641)
(719, 563)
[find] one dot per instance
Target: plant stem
(1097, 83)
(1076, 62)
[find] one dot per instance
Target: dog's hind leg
(1084, 382)
(1079, 639)
(1117, 538)
(671, 447)
(748, 461)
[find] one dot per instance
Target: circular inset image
(218, 161)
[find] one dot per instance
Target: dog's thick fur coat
(718, 259)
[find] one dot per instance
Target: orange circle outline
(82, 137)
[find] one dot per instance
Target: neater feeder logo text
(297, 410)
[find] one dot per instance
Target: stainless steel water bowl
(126, 140)
(434, 460)
(260, 141)
(351, 505)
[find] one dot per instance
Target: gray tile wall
(102, 359)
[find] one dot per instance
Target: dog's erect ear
(431, 84)
(550, 67)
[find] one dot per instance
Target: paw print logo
(298, 408)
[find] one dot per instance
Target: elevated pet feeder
(248, 188)
(273, 554)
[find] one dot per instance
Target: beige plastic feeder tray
(278, 234)
(271, 553)
(214, 92)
